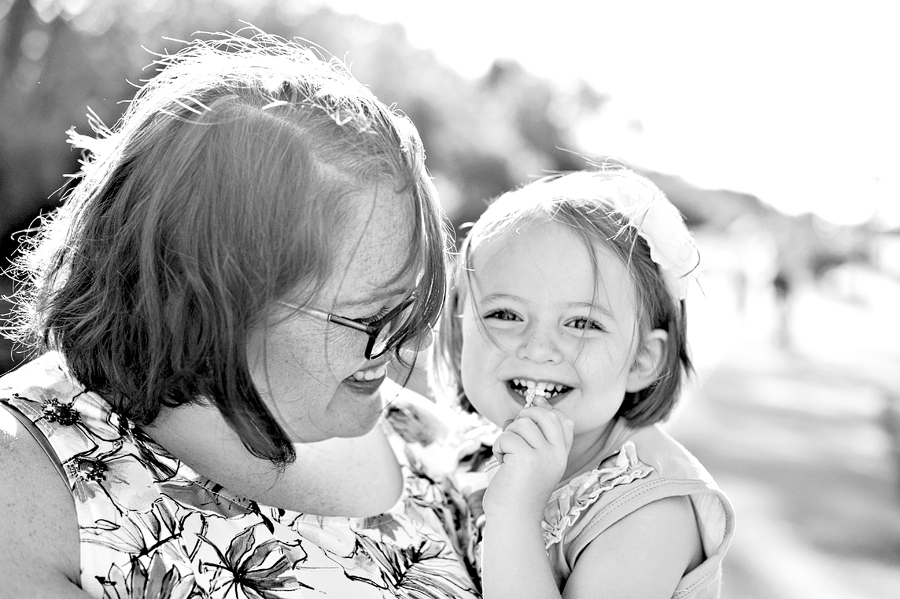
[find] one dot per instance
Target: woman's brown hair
(218, 193)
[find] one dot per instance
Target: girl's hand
(533, 450)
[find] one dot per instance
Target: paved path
(798, 437)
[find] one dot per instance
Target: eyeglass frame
(372, 329)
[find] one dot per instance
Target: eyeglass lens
(393, 332)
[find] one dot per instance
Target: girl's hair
(585, 202)
(218, 193)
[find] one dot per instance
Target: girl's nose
(539, 347)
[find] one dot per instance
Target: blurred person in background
(783, 286)
(211, 314)
(565, 326)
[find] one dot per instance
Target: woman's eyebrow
(380, 296)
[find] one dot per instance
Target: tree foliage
(61, 58)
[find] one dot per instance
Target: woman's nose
(425, 339)
(421, 342)
(540, 347)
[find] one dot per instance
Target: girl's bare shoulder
(643, 555)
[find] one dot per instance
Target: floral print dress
(152, 528)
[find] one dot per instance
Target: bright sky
(794, 101)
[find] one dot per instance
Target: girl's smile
(552, 392)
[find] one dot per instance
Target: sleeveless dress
(635, 467)
(151, 527)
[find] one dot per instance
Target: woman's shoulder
(38, 381)
(48, 425)
(39, 541)
(47, 369)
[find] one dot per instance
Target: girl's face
(313, 374)
(537, 314)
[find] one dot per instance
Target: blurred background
(773, 126)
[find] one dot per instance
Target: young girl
(565, 326)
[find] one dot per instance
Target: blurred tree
(533, 100)
(64, 57)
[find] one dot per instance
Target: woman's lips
(367, 381)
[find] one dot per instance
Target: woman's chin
(349, 414)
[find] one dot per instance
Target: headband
(662, 226)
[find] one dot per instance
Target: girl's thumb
(541, 402)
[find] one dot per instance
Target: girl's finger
(530, 431)
(568, 432)
(550, 423)
(497, 457)
(510, 442)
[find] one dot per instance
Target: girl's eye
(586, 324)
(501, 315)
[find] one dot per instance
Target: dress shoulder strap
(38, 436)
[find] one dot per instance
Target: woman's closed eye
(391, 311)
(375, 317)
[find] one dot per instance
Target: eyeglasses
(383, 336)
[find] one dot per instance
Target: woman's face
(313, 374)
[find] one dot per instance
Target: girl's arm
(643, 555)
(514, 562)
(534, 451)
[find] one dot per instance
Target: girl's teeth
(541, 388)
(369, 375)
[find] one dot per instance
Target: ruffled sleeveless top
(635, 468)
(152, 527)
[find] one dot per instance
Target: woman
(213, 311)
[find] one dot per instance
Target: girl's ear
(647, 360)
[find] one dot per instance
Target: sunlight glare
(798, 110)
